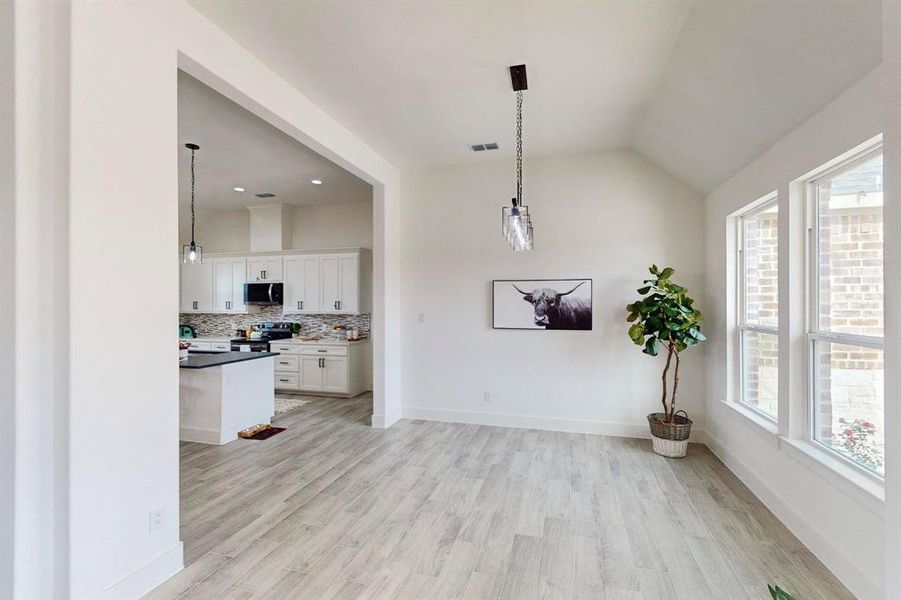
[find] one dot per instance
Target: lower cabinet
(331, 370)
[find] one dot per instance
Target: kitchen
(275, 272)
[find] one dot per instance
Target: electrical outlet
(157, 518)
(486, 397)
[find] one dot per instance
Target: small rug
(265, 434)
(284, 405)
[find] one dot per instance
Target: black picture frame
(531, 285)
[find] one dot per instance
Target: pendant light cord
(519, 147)
(192, 197)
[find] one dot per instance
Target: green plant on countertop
(665, 317)
(779, 594)
(295, 328)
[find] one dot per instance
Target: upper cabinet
(264, 268)
(325, 283)
(340, 283)
(197, 287)
(229, 275)
(314, 282)
(303, 284)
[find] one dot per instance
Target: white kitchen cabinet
(327, 369)
(197, 288)
(334, 375)
(229, 275)
(340, 283)
(310, 374)
(264, 268)
(314, 282)
(303, 284)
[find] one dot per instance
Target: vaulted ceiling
(701, 88)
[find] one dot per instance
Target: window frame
(814, 335)
(742, 326)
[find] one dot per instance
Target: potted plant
(664, 319)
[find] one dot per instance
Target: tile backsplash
(310, 325)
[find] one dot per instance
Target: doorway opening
(285, 238)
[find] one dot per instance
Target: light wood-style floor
(332, 508)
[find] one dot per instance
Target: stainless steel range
(263, 333)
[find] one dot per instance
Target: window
(758, 306)
(846, 310)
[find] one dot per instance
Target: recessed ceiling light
(239, 189)
(316, 182)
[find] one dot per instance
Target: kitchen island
(222, 393)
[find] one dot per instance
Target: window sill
(754, 417)
(865, 489)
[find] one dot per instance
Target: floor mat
(285, 404)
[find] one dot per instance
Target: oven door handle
(271, 285)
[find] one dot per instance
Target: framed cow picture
(541, 304)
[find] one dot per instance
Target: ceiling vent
(483, 147)
(265, 195)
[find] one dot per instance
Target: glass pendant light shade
(192, 254)
(517, 226)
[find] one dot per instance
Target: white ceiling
(237, 148)
(419, 81)
(699, 87)
(744, 74)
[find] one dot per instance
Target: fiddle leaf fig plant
(665, 319)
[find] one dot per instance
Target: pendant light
(515, 220)
(192, 254)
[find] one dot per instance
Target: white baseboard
(825, 550)
(205, 436)
(143, 580)
(381, 421)
(633, 430)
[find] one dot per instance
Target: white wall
(334, 225)
(226, 231)
(843, 528)
(341, 225)
(604, 216)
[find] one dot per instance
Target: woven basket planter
(670, 439)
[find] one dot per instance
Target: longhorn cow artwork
(542, 304)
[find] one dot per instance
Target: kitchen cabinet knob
(299, 305)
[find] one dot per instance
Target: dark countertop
(205, 360)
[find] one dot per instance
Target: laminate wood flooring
(332, 508)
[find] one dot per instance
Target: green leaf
(700, 336)
(779, 594)
(636, 333)
(644, 290)
(667, 273)
(654, 270)
(650, 346)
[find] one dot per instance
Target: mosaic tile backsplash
(310, 325)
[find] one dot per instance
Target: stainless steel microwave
(262, 293)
